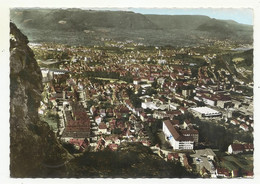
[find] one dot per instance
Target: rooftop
(205, 110)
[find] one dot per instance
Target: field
(245, 162)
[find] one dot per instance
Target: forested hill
(89, 26)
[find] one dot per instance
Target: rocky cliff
(34, 149)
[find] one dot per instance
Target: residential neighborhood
(102, 98)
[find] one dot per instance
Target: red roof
(176, 134)
(249, 146)
(237, 147)
(249, 173)
(223, 171)
(172, 130)
(113, 147)
(173, 155)
(102, 126)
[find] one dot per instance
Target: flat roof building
(205, 112)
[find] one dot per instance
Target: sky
(242, 15)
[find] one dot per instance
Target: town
(185, 104)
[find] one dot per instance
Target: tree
(70, 147)
(154, 84)
(117, 131)
(151, 91)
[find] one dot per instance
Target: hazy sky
(244, 16)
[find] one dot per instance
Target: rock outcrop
(34, 149)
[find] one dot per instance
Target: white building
(209, 101)
(149, 105)
(177, 141)
(205, 112)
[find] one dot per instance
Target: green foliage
(135, 100)
(132, 160)
(154, 84)
(225, 61)
(152, 131)
(150, 91)
(215, 136)
(117, 131)
(190, 59)
(218, 136)
(70, 148)
(103, 74)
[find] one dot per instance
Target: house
(136, 81)
(249, 174)
(143, 116)
(204, 172)
(183, 110)
(235, 148)
(102, 127)
(79, 144)
(235, 122)
(146, 142)
(98, 119)
(173, 156)
(166, 114)
(186, 124)
(222, 172)
(209, 100)
(112, 139)
(234, 173)
(102, 112)
(244, 127)
(248, 147)
(240, 148)
(223, 100)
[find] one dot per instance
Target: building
(176, 139)
(222, 172)
(235, 122)
(102, 128)
(173, 156)
(244, 127)
(240, 148)
(149, 105)
(193, 133)
(77, 123)
(205, 112)
(209, 100)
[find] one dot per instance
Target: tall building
(177, 140)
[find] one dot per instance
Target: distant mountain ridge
(90, 25)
